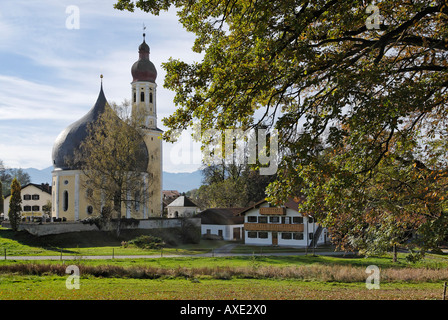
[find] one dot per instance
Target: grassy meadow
(250, 277)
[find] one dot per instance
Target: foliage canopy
(361, 111)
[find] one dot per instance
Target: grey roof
(45, 187)
(221, 216)
(292, 203)
(69, 140)
(182, 201)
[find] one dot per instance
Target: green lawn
(248, 277)
(85, 243)
(14, 287)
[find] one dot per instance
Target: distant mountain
(39, 175)
(182, 182)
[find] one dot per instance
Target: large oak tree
(360, 108)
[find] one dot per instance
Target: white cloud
(54, 78)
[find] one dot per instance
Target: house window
(262, 219)
(286, 235)
(297, 220)
(274, 219)
(135, 97)
(310, 235)
(89, 209)
(27, 208)
(142, 96)
(150, 97)
(65, 201)
(262, 235)
(209, 231)
(297, 235)
(252, 234)
(251, 219)
(35, 197)
(27, 197)
(310, 219)
(36, 208)
(220, 233)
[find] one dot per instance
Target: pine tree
(15, 204)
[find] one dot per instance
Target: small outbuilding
(182, 207)
(222, 223)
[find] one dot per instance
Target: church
(69, 195)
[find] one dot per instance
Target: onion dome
(143, 69)
(69, 140)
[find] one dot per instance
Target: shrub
(147, 242)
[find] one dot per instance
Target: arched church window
(135, 97)
(65, 201)
(150, 97)
(137, 201)
(142, 96)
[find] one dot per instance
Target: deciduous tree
(15, 205)
(319, 71)
(113, 160)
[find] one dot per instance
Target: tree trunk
(395, 253)
(117, 209)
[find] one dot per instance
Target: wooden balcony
(273, 227)
(272, 211)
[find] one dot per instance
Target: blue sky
(50, 74)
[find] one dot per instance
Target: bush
(147, 242)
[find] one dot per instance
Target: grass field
(267, 277)
(91, 288)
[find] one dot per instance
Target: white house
(222, 223)
(34, 197)
(282, 226)
(182, 207)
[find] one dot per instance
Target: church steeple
(144, 104)
(144, 86)
(143, 69)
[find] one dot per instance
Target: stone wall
(65, 227)
(52, 227)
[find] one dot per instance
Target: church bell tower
(144, 107)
